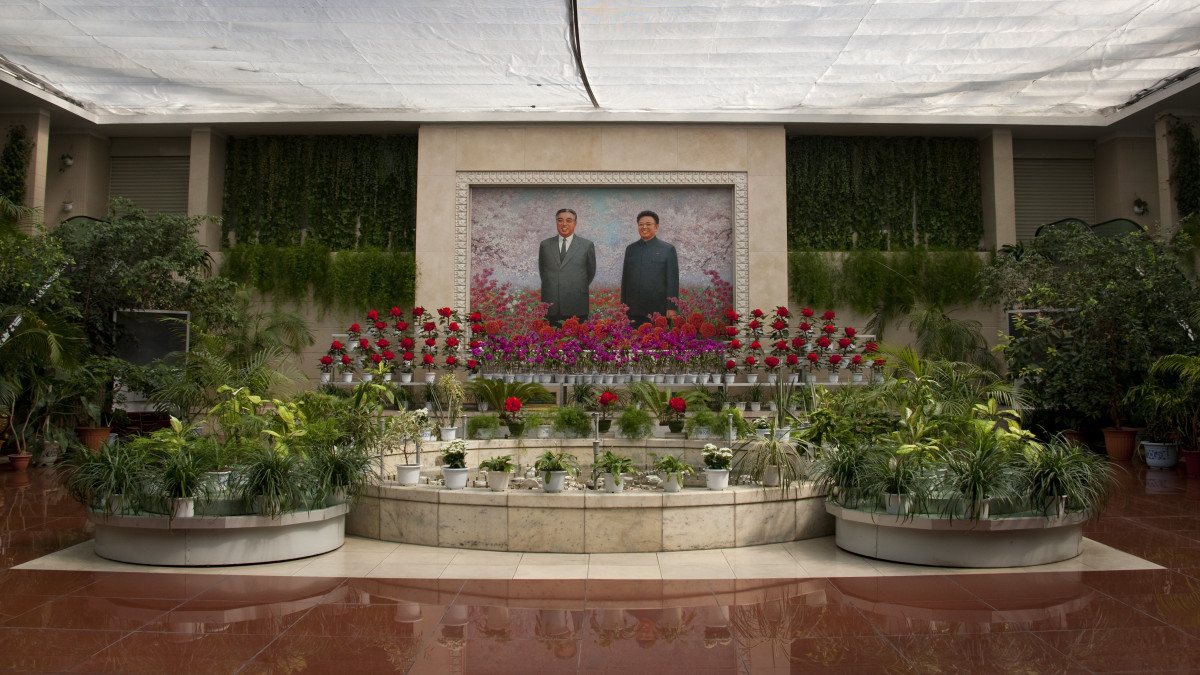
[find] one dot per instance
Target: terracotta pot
(1120, 443)
(93, 437)
(19, 462)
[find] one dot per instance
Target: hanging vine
(1185, 168)
(879, 193)
(14, 164)
(291, 201)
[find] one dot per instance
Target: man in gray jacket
(651, 273)
(567, 266)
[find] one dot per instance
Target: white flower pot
(408, 474)
(387, 377)
(771, 377)
(610, 483)
(449, 433)
(498, 480)
(833, 378)
(771, 477)
(751, 378)
(367, 377)
(716, 479)
(406, 377)
(729, 378)
(755, 406)
(897, 504)
(554, 481)
(348, 378)
(673, 482)
(326, 377)
(1161, 455)
(183, 508)
(430, 378)
(456, 479)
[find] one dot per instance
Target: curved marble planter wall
(221, 540)
(999, 542)
(588, 522)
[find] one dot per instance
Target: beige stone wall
(1125, 169)
(446, 150)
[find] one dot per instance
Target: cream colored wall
(445, 150)
(84, 183)
(1125, 169)
(998, 189)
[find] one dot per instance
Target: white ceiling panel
(866, 57)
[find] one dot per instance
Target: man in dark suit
(567, 266)
(650, 274)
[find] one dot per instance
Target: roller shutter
(1052, 189)
(158, 184)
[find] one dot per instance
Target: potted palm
(612, 466)
(717, 462)
(454, 465)
(1169, 403)
(499, 471)
(673, 469)
(554, 467)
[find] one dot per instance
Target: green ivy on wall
(14, 164)
(871, 193)
(888, 285)
(368, 278)
(1185, 168)
(342, 192)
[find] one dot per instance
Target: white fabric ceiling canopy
(899, 57)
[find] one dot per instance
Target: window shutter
(1052, 189)
(158, 184)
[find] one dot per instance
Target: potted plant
(537, 421)
(454, 465)
(554, 467)
(674, 414)
(572, 422)
(1187, 369)
(447, 397)
(1061, 477)
(341, 472)
(774, 461)
(513, 416)
(717, 462)
(108, 481)
(483, 426)
(755, 397)
(269, 480)
(702, 424)
(635, 423)
(1167, 402)
(605, 403)
(611, 467)
(499, 471)
(673, 469)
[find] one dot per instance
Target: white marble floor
(360, 557)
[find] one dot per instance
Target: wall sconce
(1140, 207)
(66, 160)
(67, 206)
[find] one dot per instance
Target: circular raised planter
(959, 542)
(218, 540)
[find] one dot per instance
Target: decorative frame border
(732, 179)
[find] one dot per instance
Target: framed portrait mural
(504, 218)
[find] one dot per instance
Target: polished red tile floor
(1032, 622)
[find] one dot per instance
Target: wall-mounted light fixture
(1140, 207)
(65, 160)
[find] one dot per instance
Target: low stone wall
(587, 521)
(218, 540)
(959, 542)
